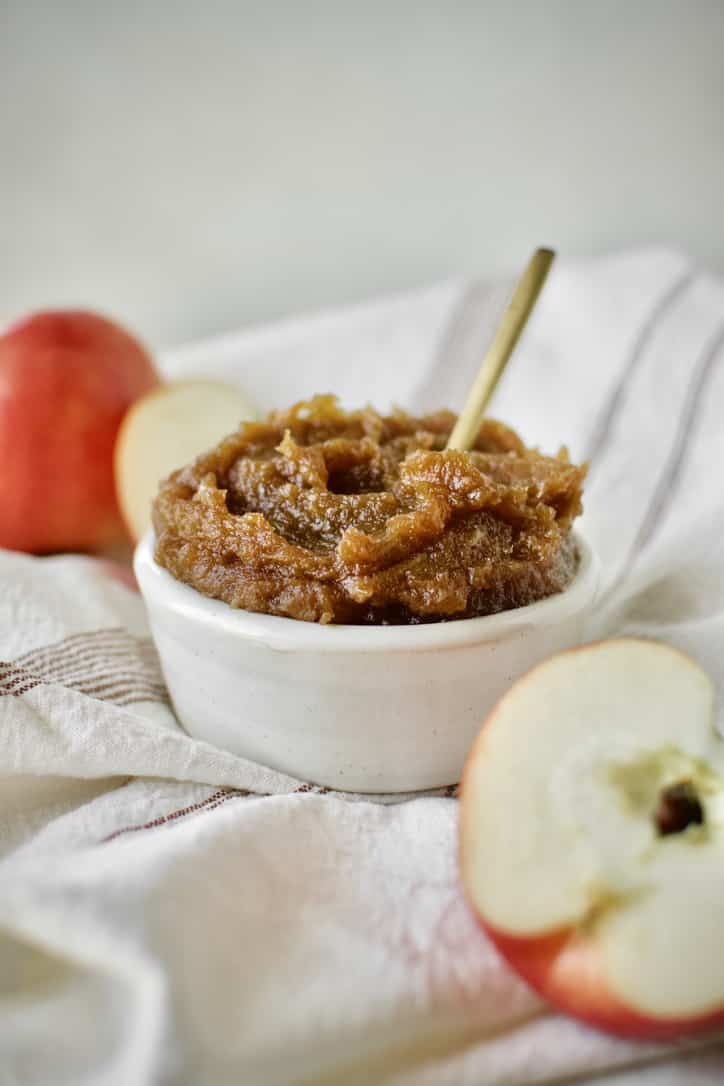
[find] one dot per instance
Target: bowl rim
(161, 590)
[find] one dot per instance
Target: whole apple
(66, 381)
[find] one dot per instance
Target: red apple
(66, 381)
(166, 430)
(592, 837)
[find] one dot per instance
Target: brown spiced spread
(328, 516)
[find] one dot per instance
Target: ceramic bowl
(360, 708)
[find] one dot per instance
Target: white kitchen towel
(173, 914)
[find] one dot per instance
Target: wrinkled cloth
(171, 913)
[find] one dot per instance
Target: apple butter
(355, 517)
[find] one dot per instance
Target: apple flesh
(66, 381)
(592, 837)
(165, 430)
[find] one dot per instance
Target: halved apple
(165, 430)
(592, 837)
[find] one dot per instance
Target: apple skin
(67, 379)
(565, 968)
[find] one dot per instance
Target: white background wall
(191, 167)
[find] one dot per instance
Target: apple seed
(678, 807)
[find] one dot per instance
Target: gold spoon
(511, 325)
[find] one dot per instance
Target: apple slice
(592, 837)
(165, 430)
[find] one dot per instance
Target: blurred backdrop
(191, 167)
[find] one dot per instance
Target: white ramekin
(359, 708)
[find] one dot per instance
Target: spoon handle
(508, 332)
